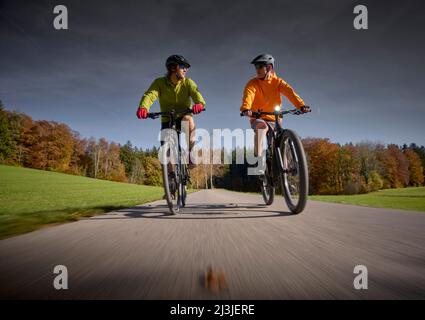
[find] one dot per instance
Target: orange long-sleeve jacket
(265, 95)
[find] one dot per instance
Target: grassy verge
(403, 198)
(31, 198)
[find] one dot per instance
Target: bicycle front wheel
(171, 187)
(183, 184)
(170, 178)
(293, 171)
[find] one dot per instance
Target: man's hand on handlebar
(175, 113)
(280, 113)
(247, 113)
(197, 108)
(142, 113)
(305, 109)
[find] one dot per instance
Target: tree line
(346, 169)
(333, 168)
(49, 145)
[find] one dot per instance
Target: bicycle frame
(274, 135)
(173, 122)
(180, 176)
(280, 170)
(173, 126)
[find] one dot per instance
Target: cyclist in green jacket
(174, 91)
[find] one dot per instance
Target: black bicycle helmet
(177, 59)
(264, 59)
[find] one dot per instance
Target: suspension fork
(177, 166)
(179, 159)
(271, 141)
(182, 174)
(279, 155)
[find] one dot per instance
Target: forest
(333, 168)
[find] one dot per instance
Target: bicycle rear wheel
(267, 189)
(293, 171)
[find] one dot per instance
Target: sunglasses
(259, 66)
(182, 66)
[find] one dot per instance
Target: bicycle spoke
(293, 178)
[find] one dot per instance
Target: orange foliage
(416, 174)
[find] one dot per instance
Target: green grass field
(31, 198)
(404, 198)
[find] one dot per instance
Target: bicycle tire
(267, 190)
(291, 140)
(170, 183)
(184, 183)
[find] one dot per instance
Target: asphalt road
(255, 252)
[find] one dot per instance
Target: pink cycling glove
(197, 108)
(142, 113)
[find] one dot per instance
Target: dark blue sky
(362, 85)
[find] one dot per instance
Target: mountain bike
(286, 164)
(174, 160)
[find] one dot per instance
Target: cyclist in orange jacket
(263, 93)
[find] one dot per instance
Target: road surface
(255, 252)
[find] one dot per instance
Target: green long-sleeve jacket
(171, 96)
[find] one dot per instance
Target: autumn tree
(388, 168)
(51, 146)
(347, 173)
(416, 174)
(7, 144)
(153, 173)
(114, 168)
(80, 161)
(369, 166)
(20, 127)
(105, 162)
(322, 158)
(420, 151)
(127, 156)
(402, 171)
(132, 159)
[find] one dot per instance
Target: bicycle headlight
(277, 108)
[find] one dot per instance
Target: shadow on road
(198, 211)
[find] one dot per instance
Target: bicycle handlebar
(154, 115)
(257, 114)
